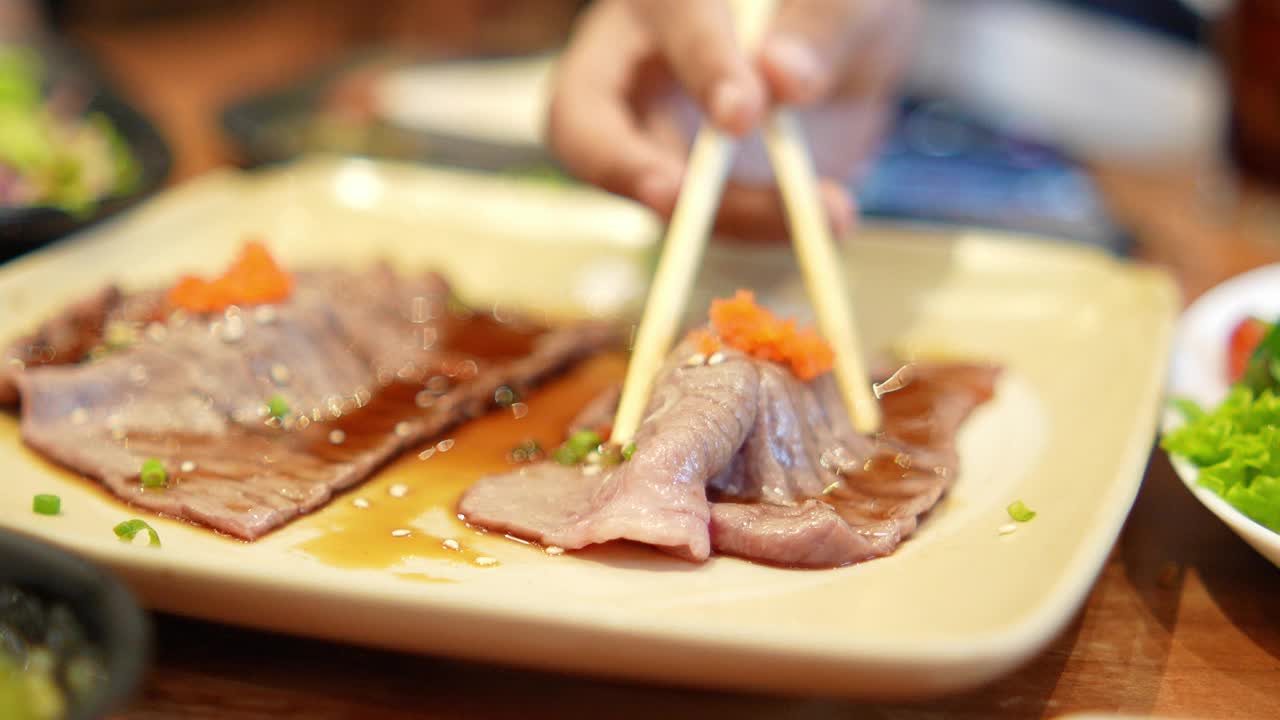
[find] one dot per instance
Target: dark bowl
(27, 228)
(112, 620)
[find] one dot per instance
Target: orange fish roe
(741, 323)
(705, 342)
(252, 279)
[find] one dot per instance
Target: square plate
(1083, 339)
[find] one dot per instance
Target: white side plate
(1199, 372)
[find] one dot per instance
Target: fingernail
(840, 210)
(798, 62)
(730, 105)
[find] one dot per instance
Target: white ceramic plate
(1082, 339)
(1199, 372)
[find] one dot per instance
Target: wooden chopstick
(682, 250)
(687, 237)
(820, 264)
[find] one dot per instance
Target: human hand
(638, 74)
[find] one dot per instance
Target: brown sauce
(361, 537)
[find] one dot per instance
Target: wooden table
(1183, 622)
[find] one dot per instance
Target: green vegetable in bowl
(48, 666)
(1236, 446)
(48, 158)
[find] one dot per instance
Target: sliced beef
(74, 333)
(369, 364)
(790, 482)
(695, 422)
(811, 534)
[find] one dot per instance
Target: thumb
(697, 41)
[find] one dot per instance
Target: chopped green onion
(628, 450)
(565, 455)
(277, 407)
(46, 504)
(153, 474)
(1020, 512)
(128, 529)
(584, 441)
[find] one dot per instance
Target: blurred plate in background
(940, 163)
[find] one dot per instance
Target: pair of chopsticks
(709, 163)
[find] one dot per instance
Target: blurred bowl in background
(36, 580)
(25, 228)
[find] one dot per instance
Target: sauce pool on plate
(365, 527)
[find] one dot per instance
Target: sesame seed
(424, 399)
(337, 437)
(695, 360)
(334, 404)
(187, 466)
(403, 429)
(1008, 528)
(429, 336)
(519, 410)
(400, 533)
(898, 380)
(398, 490)
(426, 454)
(362, 396)
(832, 487)
(555, 550)
(264, 314)
(279, 374)
(466, 369)
(438, 384)
(445, 445)
(79, 416)
(485, 561)
(360, 503)
(233, 329)
(716, 358)
(451, 544)
(591, 470)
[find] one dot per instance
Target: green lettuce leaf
(1237, 448)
